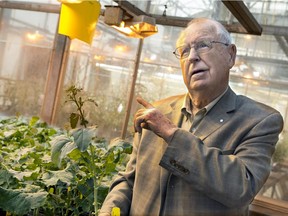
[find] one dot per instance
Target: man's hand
(152, 119)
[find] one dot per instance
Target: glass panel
(179, 8)
(104, 71)
(26, 40)
(159, 73)
(272, 12)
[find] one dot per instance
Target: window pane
(104, 71)
(26, 40)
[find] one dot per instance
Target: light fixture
(36, 36)
(137, 27)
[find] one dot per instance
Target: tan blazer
(215, 171)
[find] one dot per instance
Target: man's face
(208, 71)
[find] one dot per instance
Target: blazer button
(186, 171)
(173, 162)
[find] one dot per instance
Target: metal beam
(263, 60)
(183, 22)
(275, 30)
(160, 20)
(237, 8)
(282, 44)
(130, 8)
(231, 27)
(244, 16)
(55, 78)
(132, 89)
(39, 7)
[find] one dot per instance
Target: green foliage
(73, 96)
(25, 156)
(93, 161)
(48, 171)
(22, 200)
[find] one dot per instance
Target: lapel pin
(221, 120)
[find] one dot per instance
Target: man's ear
(232, 52)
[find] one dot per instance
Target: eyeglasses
(183, 52)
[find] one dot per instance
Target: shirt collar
(186, 108)
(211, 104)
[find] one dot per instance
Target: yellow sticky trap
(115, 211)
(78, 20)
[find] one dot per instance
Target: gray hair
(216, 26)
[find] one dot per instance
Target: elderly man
(207, 152)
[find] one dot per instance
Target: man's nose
(193, 55)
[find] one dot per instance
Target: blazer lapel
(173, 111)
(217, 116)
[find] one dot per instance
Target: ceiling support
(39, 7)
(282, 43)
(129, 8)
(244, 16)
(132, 89)
(55, 79)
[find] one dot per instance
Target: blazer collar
(214, 119)
(218, 115)
(175, 110)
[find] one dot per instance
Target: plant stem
(95, 183)
(79, 107)
(95, 195)
(68, 202)
(36, 212)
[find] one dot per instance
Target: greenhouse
(61, 85)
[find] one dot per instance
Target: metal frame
(248, 24)
(244, 16)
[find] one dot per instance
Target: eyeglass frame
(178, 55)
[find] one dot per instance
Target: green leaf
(80, 157)
(110, 167)
(56, 148)
(76, 154)
(127, 146)
(67, 148)
(51, 178)
(74, 118)
(10, 133)
(102, 193)
(6, 179)
(33, 121)
(83, 137)
(20, 202)
(20, 175)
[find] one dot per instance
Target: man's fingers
(137, 128)
(140, 123)
(137, 124)
(144, 103)
(142, 115)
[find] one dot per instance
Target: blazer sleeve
(231, 178)
(120, 194)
